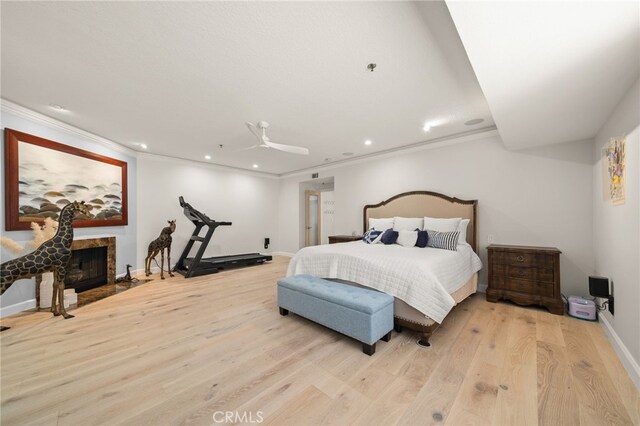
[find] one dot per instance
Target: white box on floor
(70, 297)
(46, 293)
(46, 290)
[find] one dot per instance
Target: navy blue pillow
(390, 237)
(423, 238)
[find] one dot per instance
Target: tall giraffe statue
(158, 246)
(53, 255)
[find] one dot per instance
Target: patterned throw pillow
(443, 240)
(372, 236)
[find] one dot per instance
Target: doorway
(313, 222)
(316, 211)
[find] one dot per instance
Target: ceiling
(183, 77)
(551, 71)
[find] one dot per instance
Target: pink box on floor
(582, 308)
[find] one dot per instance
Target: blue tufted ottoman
(366, 315)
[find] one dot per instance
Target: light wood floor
(176, 351)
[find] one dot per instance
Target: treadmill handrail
(194, 215)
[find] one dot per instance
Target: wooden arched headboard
(426, 203)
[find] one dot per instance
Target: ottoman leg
(284, 311)
(369, 349)
(386, 337)
(397, 328)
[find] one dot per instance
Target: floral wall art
(613, 163)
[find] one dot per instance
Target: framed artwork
(613, 168)
(42, 176)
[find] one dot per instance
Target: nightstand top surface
(504, 247)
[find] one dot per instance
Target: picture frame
(42, 176)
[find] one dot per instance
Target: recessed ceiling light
(368, 142)
(255, 166)
(57, 107)
(473, 122)
(426, 127)
(347, 154)
(207, 157)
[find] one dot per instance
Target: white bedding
(424, 278)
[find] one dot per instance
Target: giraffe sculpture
(157, 246)
(53, 255)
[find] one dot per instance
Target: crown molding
(208, 164)
(454, 139)
(23, 112)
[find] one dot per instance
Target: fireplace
(93, 263)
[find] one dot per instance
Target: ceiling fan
(260, 131)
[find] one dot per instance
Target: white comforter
(424, 278)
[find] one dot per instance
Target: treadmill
(196, 266)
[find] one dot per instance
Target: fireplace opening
(87, 269)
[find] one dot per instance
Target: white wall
(24, 290)
(616, 229)
(249, 200)
(538, 197)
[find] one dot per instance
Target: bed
(426, 282)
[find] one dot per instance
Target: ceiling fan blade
(287, 148)
(248, 148)
(253, 129)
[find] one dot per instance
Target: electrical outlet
(491, 239)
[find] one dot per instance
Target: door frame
(307, 228)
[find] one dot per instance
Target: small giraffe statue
(53, 255)
(157, 246)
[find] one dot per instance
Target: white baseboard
(630, 364)
(18, 307)
(282, 253)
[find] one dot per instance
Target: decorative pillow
(407, 223)
(462, 229)
(389, 237)
(441, 224)
(381, 224)
(407, 238)
(372, 236)
(443, 240)
(423, 239)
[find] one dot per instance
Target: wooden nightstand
(525, 275)
(343, 238)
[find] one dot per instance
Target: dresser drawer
(525, 273)
(525, 286)
(522, 259)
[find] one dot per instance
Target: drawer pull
(520, 258)
(521, 273)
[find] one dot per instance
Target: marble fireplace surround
(110, 244)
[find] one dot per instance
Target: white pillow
(441, 224)
(407, 238)
(462, 228)
(381, 224)
(407, 223)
